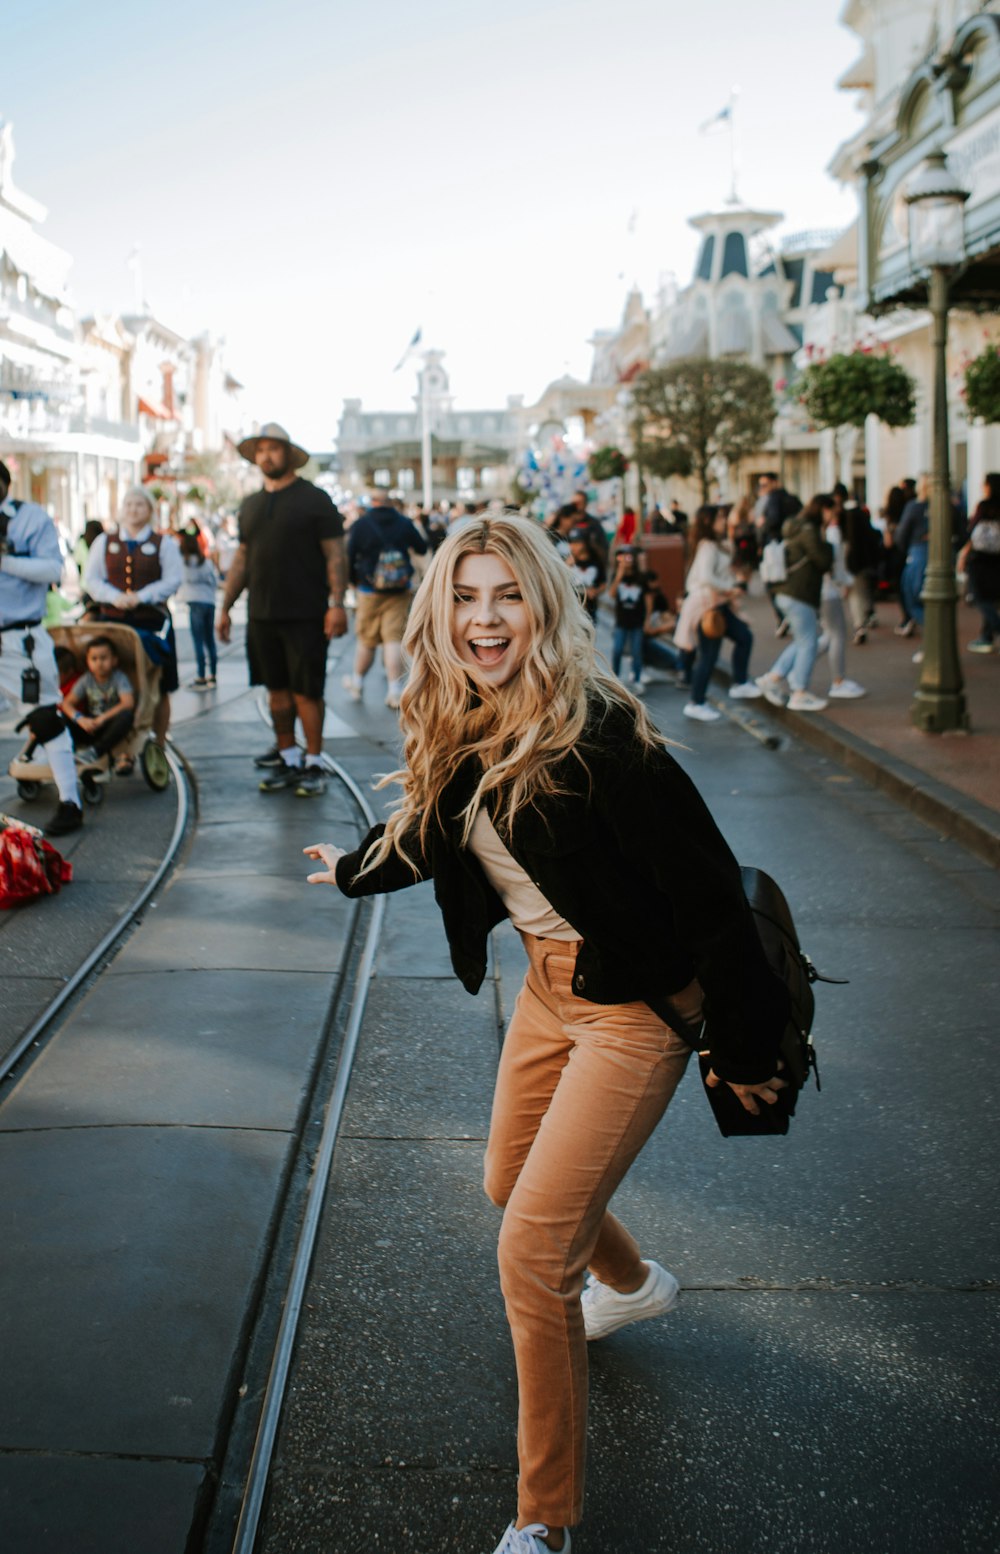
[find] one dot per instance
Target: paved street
(829, 1379)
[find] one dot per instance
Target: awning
(154, 408)
(778, 338)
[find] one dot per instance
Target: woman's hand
(328, 854)
(748, 1095)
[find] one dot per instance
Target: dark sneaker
(68, 817)
(270, 760)
(283, 776)
(311, 783)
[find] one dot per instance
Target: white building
(473, 451)
(64, 433)
(929, 79)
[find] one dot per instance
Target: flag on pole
(410, 348)
(722, 117)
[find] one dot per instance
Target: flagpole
(733, 196)
(426, 467)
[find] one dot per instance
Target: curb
(965, 820)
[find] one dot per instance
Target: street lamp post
(937, 245)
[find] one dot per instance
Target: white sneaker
(805, 701)
(745, 692)
(637, 687)
(605, 1310)
(848, 689)
(773, 687)
(394, 693)
(700, 713)
(352, 685)
(530, 1540)
(918, 656)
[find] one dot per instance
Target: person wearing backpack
(808, 557)
(776, 506)
(379, 546)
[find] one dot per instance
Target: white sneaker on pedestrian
(700, 713)
(847, 690)
(773, 688)
(637, 687)
(605, 1310)
(918, 656)
(530, 1540)
(805, 701)
(352, 685)
(746, 692)
(393, 694)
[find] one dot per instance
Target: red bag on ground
(29, 867)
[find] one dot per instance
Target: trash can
(664, 555)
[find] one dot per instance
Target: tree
(982, 386)
(697, 410)
(850, 386)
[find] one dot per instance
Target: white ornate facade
(63, 432)
(929, 78)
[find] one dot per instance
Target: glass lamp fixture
(936, 202)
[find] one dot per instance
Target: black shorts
(288, 656)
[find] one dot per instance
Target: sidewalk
(951, 780)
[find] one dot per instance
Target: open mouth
(489, 650)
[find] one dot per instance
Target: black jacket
(631, 857)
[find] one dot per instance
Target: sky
(314, 181)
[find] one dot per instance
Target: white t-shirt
(526, 907)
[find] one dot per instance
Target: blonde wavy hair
(518, 732)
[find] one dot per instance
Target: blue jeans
(796, 662)
(660, 655)
(740, 636)
(203, 635)
(632, 638)
(911, 582)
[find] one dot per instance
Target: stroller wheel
(93, 792)
(155, 766)
(28, 791)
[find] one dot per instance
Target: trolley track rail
(42, 1022)
(233, 1520)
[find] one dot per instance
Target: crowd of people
(303, 564)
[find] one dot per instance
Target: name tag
(149, 549)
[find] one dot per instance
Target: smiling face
(491, 629)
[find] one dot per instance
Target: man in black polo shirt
(291, 561)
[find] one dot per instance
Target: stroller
(145, 679)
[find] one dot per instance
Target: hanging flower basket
(607, 464)
(982, 386)
(847, 388)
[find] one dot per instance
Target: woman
(980, 560)
(535, 787)
(808, 558)
(712, 586)
(198, 592)
(130, 575)
(833, 617)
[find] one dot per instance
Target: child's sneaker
(605, 1310)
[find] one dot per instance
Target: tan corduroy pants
(580, 1088)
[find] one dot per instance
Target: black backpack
(785, 956)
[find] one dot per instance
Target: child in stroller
(134, 743)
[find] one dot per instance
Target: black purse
(798, 1055)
